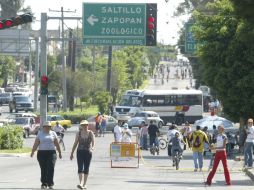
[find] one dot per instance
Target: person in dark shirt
(153, 132)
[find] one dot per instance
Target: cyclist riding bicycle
(59, 129)
(153, 132)
(176, 146)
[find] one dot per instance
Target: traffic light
(44, 85)
(151, 27)
(15, 21)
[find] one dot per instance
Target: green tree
(102, 99)
(227, 57)
(244, 9)
(7, 68)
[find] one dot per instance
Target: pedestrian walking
(220, 155)
(138, 135)
(186, 135)
(118, 132)
(206, 145)
(242, 138)
(249, 143)
(103, 125)
(126, 134)
(85, 142)
(198, 139)
(98, 119)
(47, 142)
(144, 135)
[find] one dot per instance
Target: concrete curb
(14, 154)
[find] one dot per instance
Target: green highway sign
(190, 43)
(115, 24)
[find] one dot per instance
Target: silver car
(145, 117)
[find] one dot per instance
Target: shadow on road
(196, 184)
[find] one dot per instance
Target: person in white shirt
(171, 134)
(59, 129)
(118, 132)
(249, 142)
(126, 134)
(220, 155)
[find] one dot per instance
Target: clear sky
(167, 28)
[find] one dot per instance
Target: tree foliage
(244, 9)
(7, 68)
(227, 57)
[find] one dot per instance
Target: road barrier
(124, 155)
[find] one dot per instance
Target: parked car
(28, 125)
(24, 91)
(11, 118)
(5, 98)
(145, 117)
(54, 118)
(11, 88)
(111, 123)
(21, 103)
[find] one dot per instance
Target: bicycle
(60, 140)
(177, 158)
(163, 143)
(154, 149)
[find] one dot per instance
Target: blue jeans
(248, 152)
(198, 159)
(153, 140)
(144, 141)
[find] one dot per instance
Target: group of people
(47, 143)
(122, 133)
(197, 141)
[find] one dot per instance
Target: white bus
(172, 105)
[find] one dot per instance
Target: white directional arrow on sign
(92, 19)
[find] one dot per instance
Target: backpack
(197, 142)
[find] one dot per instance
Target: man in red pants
(220, 155)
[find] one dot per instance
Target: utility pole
(63, 58)
(43, 66)
(109, 69)
(94, 74)
(30, 66)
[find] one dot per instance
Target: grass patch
(20, 150)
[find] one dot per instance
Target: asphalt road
(154, 172)
(21, 172)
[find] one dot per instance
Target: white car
(145, 117)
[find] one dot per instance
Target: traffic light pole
(43, 66)
(63, 65)
(36, 73)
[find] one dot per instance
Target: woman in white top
(126, 134)
(220, 155)
(47, 142)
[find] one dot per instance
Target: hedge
(11, 137)
(74, 117)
